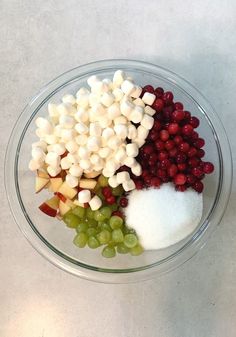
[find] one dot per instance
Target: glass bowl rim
(63, 261)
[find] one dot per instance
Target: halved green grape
(89, 213)
(108, 251)
(93, 242)
(115, 222)
(80, 240)
(71, 220)
(79, 211)
(98, 216)
(92, 223)
(117, 235)
(122, 249)
(106, 212)
(103, 181)
(136, 250)
(91, 231)
(118, 191)
(82, 227)
(130, 240)
(104, 236)
(105, 225)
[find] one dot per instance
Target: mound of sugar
(162, 217)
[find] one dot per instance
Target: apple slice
(42, 174)
(67, 191)
(92, 174)
(61, 196)
(40, 183)
(63, 208)
(55, 184)
(77, 203)
(87, 183)
(50, 206)
(70, 203)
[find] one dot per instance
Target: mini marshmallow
(59, 148)
(53, 171)
(82, 91)
(132, 150)
(68, 134)
(137, 114)
(127, 87)
(147, 122)
(35, 164)
(104, 122)
(41, 144)
(108, 82)
(94, 99)
(118, 94)
(38, 154)
(118, 78)
(114, 142)
(76, 171)
(128, 185)
(73, 158)
(120, 155)
(65, 163)
(121, 131)
(107, 173)
(139, 141)
(139, 102)
(81, 139)
(120, 120)
(94, 143)
(52, 159)
(67, 122)
(107, 99)
(107, 133)
(84, 196)
(113, 111)
(85, 164)
(58, 130)
(53, 112)
(149, 111)
(82, 100)
(71, 180)
(81, 115)
(136, 92)
(68, 98)
(132, 131)
(104, 152)
(64, 109)
(97, 110)
(95, 203)
(44, 124)
(51, 139)
(95, 129)
(142, 132)
(126, 108)
(111, 165)
(72, 146)
(148, 98)
(92, 80)
(112, 181)
(83, 152)
(99, 88)
(122, 177)
(129, 161)
(81, 128)
(95, 159)
(136, 169)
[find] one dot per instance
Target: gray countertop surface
(42, 39)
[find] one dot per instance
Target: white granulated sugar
(162, 217)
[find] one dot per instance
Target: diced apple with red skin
(55, 184)
(67, 191)
(63, 208)
(70, 203)
(40, 183)
(87, 183)
(50, 206)
(42, 174)
(77, 203)
(61, 196)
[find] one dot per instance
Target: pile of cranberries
(173, 149)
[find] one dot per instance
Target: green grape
(130, 240)
(71, 220)
(82, 227)
(93, 242)
(122, 249)
(105, 226)
(99, 194)
(103, 181)
(115, 222)
(98, 216)
(118, 191)
(106, 211)
(92, 223)
(80, 240)
(104, 236)
(91, 231)
(89, 213)
(79, 211)
(114, 207)
(108, 251)
(136, 250)
(117, 235)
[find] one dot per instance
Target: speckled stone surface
(41, 39)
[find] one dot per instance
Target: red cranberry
(164, 135)
(193, 162)
(180, 179)
(208, 167)
(110, 200)
(107, 191)
(187, 116)
(194, 121)
(194, 135)
(145, 173)
(123, 202)
(190, 179)
(197, 172)
(182, 167)
(160, 145)
(187, 129)
(161, 173)
(200, 142)
(178, 115)
(192, 152)
(155, 182)
(162, 155)
(172, 170)
(159, 92)
(156, 125)
(180, 158)
(147, 179)
(168, 97)
(178, 106)
(153, 170)
(118, 213)
(198, 186)
(148, 88)
(173, 128)
(148, 149)
(184, 147)
(200, 153)
(153, 135)
(139, 184)
(181, 188)
(178, 140)
(169, 144)
(165, 163)
(173, 152)
(158, 104)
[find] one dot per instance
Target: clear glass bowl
(53, 239)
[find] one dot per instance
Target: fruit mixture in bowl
(114, 156)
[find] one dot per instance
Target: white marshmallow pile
(93, 127)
